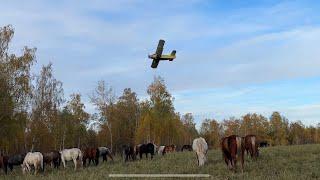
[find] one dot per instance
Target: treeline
(35, 115)
(276, 130)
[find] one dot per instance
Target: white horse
(200, 146)
(32, 159)
(71, 154)
(160, 150)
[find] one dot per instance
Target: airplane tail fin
(173, 53)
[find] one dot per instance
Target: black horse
(15, 160)
(147, 149)
(186, 147)
(128, 153)
(264, 144)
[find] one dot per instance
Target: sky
(233, 57)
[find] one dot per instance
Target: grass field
(282, 162)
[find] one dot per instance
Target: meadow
(279, 162)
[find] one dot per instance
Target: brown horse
(251, 145)
(92, 154)
(233, 148)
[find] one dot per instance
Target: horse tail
(41, 163)
(239, 145)
(253, 142)
(80, 155)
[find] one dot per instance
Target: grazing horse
(104, 152)
(169, 149)
(4, 163)
(251, 146)
(146, 149)
(233, 148)
(186, 147)
(52, 158)
(32, 159)
(92, 154)
(200, 146)
(15, 160)
(73, 154)
(128, 153)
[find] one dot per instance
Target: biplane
(158, 56)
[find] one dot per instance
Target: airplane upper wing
(160, 48)
(155, 63)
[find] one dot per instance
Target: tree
(15, 92)
(80, 118)
(211, 130)
(190, 128)
(47, 98)
(278, 129)
(103, 98)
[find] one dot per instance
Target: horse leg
(63, 162)
(75, 163)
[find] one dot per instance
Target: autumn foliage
(35, 115)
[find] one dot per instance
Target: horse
(104, 152)
(160, 150)
(264, 144)
(251, 145)
(73, 154)
(147, 149)
(92, 154)
(200, 146)
(52, 158)
(187, 147)
(169, 149)
(128, 153)
(233, 148)
(15, 160)
(32, 159)
(4, 163)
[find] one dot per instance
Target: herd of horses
(233, 149)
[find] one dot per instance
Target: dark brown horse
(92, 154)
(52, 158)
(233, 148)
(4, 163)
(251, 145)
(128, 152)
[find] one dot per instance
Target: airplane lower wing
(155, 63)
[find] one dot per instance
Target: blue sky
(233, 57)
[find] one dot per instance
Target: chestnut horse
(92, 154)
(233, 148)
(169, 149)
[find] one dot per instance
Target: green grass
(282, 162)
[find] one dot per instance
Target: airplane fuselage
(162, 57)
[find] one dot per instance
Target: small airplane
(158, 56)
